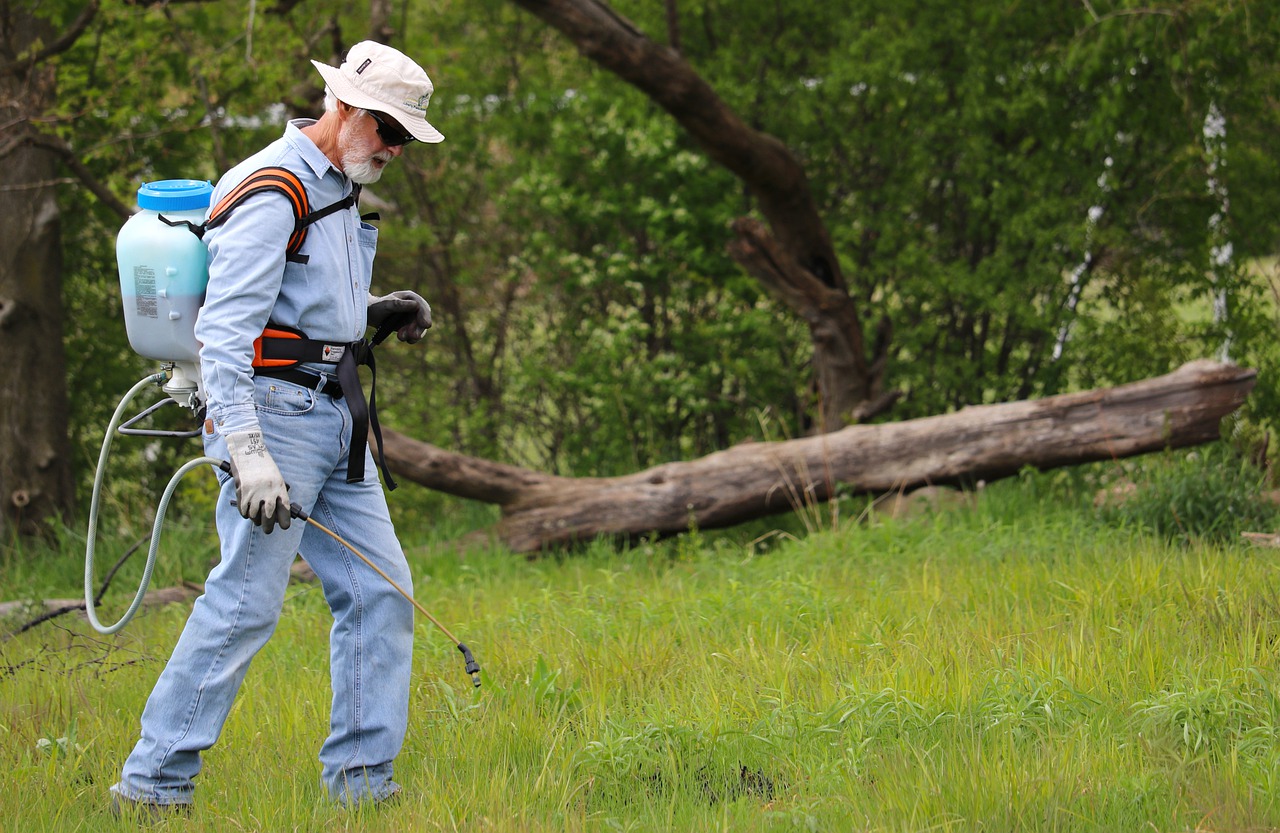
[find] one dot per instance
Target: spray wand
(473, 667)
(296, 511)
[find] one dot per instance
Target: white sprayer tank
(164, 269)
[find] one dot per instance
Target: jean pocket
(286, 398)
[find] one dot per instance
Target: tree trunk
(752, 480)
(810, 280)
(380, 26)
(35, 458)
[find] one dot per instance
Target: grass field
(1018, 665)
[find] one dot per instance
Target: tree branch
(764, 163)
(24, 63)
(851, 385)
(68, 156)
(58, 610)
(460, 474)
(774, 177)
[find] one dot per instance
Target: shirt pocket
(367, 237)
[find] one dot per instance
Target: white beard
(362, 172)
(358, 167)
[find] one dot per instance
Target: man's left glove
(261, 493)
(404, 306)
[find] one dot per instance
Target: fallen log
(1262, 539)
(986, 442)
(46, 609)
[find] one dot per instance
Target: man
(288, 436)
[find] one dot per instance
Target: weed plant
(1212, 493)
(1012, 665)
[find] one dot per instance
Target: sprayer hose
(153, 551)
(472, 667)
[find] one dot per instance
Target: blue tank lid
(174, 195)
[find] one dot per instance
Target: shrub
(1212, 493)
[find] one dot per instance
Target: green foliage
(1213, 493)
(1027, 192)
(600, 327)
(651, 348)
(1195, 719)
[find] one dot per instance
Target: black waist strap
(302, 377)
(363, 414)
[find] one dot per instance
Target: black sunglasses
(391, 134)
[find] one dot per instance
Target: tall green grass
(1017, 665)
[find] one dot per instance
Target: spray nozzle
(473, 667)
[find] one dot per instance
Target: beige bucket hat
(375, 76)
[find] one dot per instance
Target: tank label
(144, 283)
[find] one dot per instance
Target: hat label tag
(364, 66)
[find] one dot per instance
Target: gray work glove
(406, 303)
(261, 493)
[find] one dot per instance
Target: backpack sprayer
(163, 274)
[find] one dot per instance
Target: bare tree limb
(380, 28)
(459, 474)
(833, 327)
(82, 172)
(56, 609)
(775, 178)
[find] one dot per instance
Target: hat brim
(346, 92)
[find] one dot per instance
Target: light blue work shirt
(251, 283)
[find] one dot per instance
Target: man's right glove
(261, 493)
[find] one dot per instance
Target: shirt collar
(312, 155)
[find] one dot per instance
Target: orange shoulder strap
(269, 179)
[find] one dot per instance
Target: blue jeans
(370, 644)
